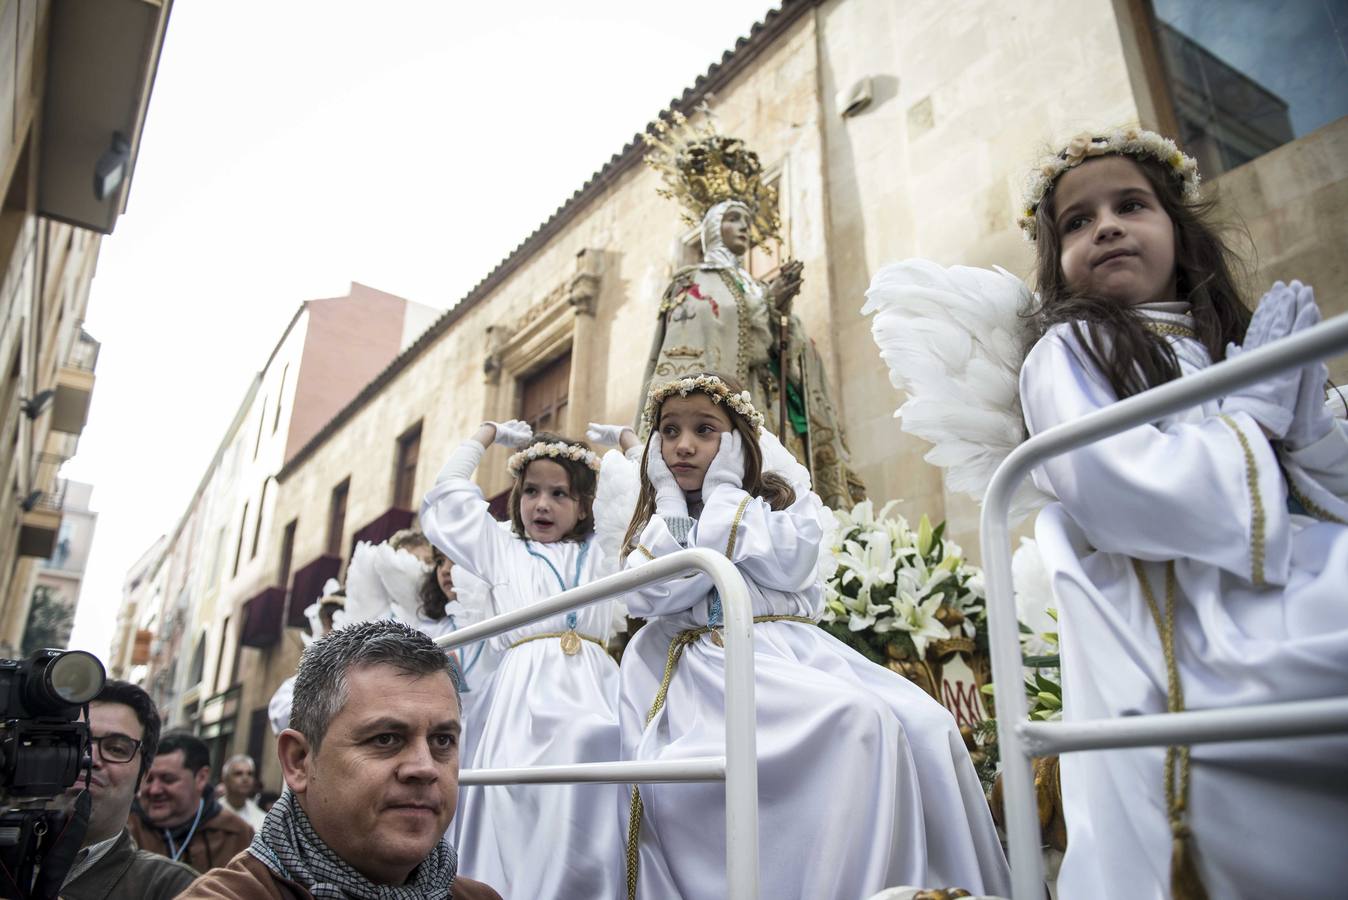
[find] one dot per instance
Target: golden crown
(701, 167)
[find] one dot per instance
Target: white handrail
(1014, 733)
(739, 768)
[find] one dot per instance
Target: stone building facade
(895, 130)
(60, 577)
(74, 85)
(195, 607)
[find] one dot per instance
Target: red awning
(307, 586)
(383, 527)
(262, 616)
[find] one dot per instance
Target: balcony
(262, 618)
(140, 648)
(102, 56)
(40, 522)
(70, 409)
(307, 585)
(221, 707)
(383, 527)
(75, 386)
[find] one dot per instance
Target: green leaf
(1043, 662)
(1043, 684)
(1050, 700)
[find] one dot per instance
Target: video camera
(43, 749)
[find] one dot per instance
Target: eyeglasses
(116, 747)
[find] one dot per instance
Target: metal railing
(738, 768)
(1021, 739)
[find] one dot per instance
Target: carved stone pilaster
(492, 364)
(583, 289)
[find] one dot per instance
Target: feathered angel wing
(780, 460)
(473, 602)
(382, 582)
(615, 501)
(954, 341)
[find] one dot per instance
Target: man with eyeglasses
(124, 725)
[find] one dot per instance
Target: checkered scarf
(288, 845)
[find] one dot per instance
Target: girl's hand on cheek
(669, 497)
(728, 465)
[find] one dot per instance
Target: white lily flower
(864, 612)
(919, 620)
(871, 563)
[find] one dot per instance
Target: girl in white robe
(863, 779)
(553, 699)
(1209, 545)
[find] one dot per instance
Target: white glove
(1269, 402)
(513, 433)
(1311, 419)
(606, 435)
(669, 497)
(727, 467)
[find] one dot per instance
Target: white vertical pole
(741, 783)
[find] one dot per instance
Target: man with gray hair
(371, 765)
(238, 776)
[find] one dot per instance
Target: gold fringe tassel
(676, 648)
(1185, 882)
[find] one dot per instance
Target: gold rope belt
(1185, 882)
(570, 640)
(676, 648)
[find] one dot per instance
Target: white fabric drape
(863, 778)
(1261, 618)
(542, 708)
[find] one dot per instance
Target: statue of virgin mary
(716, 317)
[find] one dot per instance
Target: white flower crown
(554, 450)
(1131, 142)
(710, 385)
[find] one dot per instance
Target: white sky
(294, 147)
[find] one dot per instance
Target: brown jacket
(246, 878)
(127, 873)
(215, 842)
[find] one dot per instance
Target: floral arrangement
(1039, 652)
(551, 450)
(1132, 141)
(896, 589)
(1038, 632)
(710, 385)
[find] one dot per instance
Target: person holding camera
(180, 816)
(124, 731)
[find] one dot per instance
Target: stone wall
(965, 97)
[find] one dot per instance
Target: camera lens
(75, 676)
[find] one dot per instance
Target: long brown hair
(584, 481)
(434, 601)
(770, 486)
(1130, 357)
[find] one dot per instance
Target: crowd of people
(1199, 560)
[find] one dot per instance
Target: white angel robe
(863, 779)
(544, 707)
(1261, 617)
